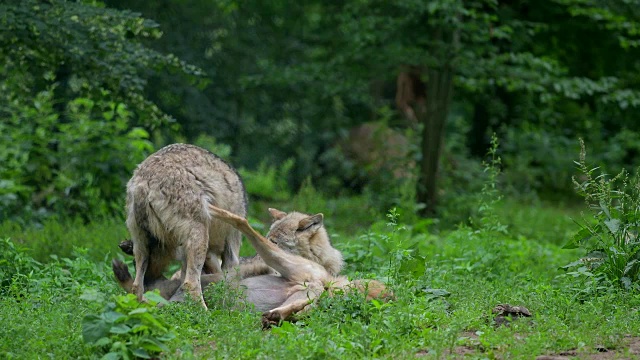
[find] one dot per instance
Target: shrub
(268, 181)
(127, 328)
(65, 166)
(610, 237)
(61, 277)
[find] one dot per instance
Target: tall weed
(609, 237)
(490, 196)
(15, 266)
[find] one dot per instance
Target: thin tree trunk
(477, 136)
(433, 116)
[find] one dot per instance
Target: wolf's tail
(121, 272)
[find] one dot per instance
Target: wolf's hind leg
(196, 241)
(141, 255)
(231, 250)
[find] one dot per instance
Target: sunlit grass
(446, 288)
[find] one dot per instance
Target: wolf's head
(305, 235)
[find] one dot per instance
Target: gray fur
(168, 216)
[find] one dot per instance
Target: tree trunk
(433, 116)
(477, 136)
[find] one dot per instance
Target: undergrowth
(445, 282)
(609, 237)
(126, 328)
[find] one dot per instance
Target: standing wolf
(168, 216)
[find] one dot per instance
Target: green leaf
(435, 293)
(580, 237)
(153, 345)
(167, 337)
(139, 328)
(138, 311)
(138, 133)
(154, 298)
(92, 295)
(605, 209)
(112, 316)
(613, 225)
(120, 329)
(141, 353)
(111, 356)
(573, 264)
(285, 328)
(102, 342)
(631, 265)
(94, 328)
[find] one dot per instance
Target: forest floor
(453, 291)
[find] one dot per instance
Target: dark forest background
(396, 101)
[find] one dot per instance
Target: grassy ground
(446, 285)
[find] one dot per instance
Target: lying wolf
(280, 295)
(168, 216)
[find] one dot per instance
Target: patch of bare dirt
(629, 350)
(202, 348)
(468, 345)
(458, 351)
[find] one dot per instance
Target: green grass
(61, 237)
(478, 269)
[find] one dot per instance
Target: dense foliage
(299, 80)
(88, 91)
(75, 116)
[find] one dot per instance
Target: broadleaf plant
(610, 237)
(127, 328)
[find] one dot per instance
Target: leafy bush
(610, 237)
(268, 181)
(78, 165)
(127, 328)
(490, 195)
(70, 277)
(61, 277)
(73, 105)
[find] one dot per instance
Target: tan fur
(168, 216)
(299, 280)
(305, 235)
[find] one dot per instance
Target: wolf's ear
(312, 223)
(276, 214)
